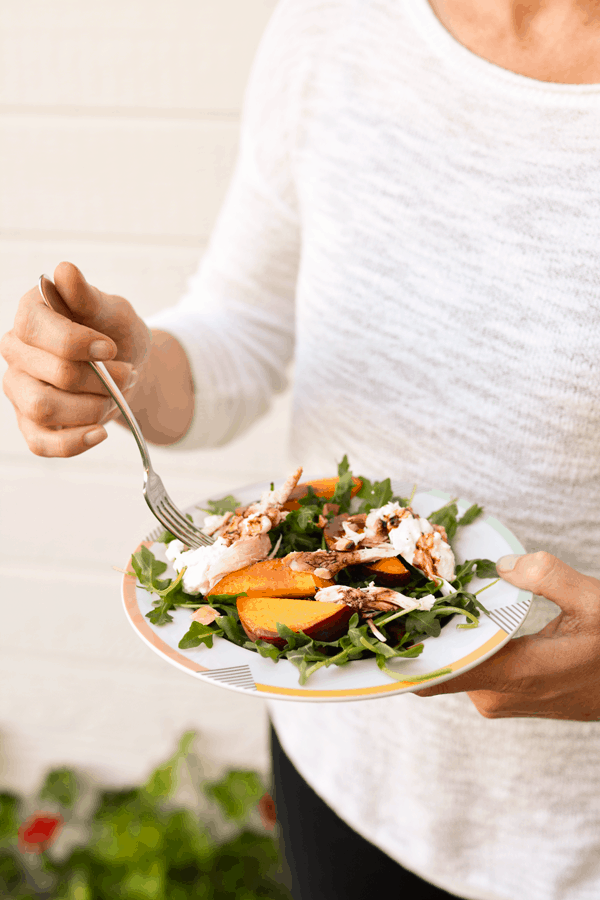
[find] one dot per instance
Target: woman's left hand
(554, 674)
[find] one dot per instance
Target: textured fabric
(424, 226)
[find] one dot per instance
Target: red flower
(38, 832)
(266, 810)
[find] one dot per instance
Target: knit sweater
(420, 229)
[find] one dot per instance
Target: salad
(320, 573)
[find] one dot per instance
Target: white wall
(118, 130)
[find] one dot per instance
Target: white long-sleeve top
(424, 226)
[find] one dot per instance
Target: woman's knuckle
(6, 344)
(68, 343)
(36, 444)
(66, 375)
(64, 446)
(26, 327)
(40, 408)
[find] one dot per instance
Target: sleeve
(236, 319)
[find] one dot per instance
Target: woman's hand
(61, 404)
(554, 674)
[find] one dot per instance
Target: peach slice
(323, 487)
(269, 578)
(390, 572)
(323, 621)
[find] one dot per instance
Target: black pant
(327, 859)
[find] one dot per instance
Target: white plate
(455, 650)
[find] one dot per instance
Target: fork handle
(107, 380)
(109, 383)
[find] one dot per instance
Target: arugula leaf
(160, 615)
(472, 513)
(374, 494)
(218, 507)
(344, 466)
(343, 491)
(168, 599)
(147, 568)
(233, 631)
(424, 622)
(483, 568)
(306, 517)
(311, 498)
(198, 634)
(299, 530)
(446, 516)
(293, 638)
(265, 648)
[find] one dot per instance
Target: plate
(455, 651)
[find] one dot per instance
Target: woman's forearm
(163, 398)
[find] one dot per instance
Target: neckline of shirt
(452, 51)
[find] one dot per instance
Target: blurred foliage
(138, 845)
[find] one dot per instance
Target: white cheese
(197, 563)
(405, 536)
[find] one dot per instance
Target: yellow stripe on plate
(387, 688)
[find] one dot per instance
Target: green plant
(139, 843)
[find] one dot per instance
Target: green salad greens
(398, 633)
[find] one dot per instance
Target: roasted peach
(269, 578)
(323, 621)
(323, 487)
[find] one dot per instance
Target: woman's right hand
(60, 403)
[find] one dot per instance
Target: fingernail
(133, 378)
(91, 438)
(101, 350)
(507, 563)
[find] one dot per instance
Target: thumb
(550, 577)
(107, 313)
(85, 302)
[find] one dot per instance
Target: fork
(161, 505)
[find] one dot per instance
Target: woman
(415, 205)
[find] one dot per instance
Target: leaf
(165, 538)
(225, 504)
(236, 793)
(446, 516)
(159, 616)
(423, 622)
(169, 596)
(306, 516)
(293, 638)
(469, 516)
(343, 491)
(265, 649)
(148, 568)
(344, 466)
(162, 781)
(374, 494)
(199, 634)
(483, 568)
(9, 818)
(232, 630)
(61, 786)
